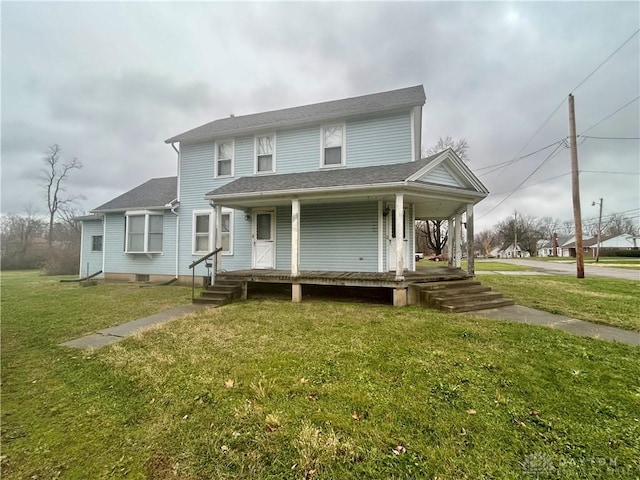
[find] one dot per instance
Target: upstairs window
(144, 233)
(224, 159)
(96, 243)
(265, 158)
(332, 145)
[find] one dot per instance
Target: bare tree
(460, 147)
(528, 232)
(618, 224)
(54, 175)
(434, 232)
(486, 240)
(19, 235)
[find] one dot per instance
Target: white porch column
(218, 237)
(470, 241)
(450, 241)
(399, 236)
(296, 288)
(458, 240)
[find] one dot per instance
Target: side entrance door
(392, 233)
(264, 242)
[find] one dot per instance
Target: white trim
(201, 213)
(343, 147)
(413, 135)
(273, 153)
(295, 237)
(380, 236)
(104, 236)
(413, 251)
(81, 248)
(215, 157)
(179, 175)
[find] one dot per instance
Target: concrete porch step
(446, 285)
(440, 302)
(222, 293)
(479, 305)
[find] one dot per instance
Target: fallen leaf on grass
(229, 383)
(471, 411)
(355, 416)
(399, 450)
(304, 380)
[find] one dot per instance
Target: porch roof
(378, 182)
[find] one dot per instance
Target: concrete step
(480, 305)
(211, 301)
(213, 294)
(446, 285)
(461, 300)
(455, 292)
(223, 288)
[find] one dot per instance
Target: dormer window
(265, 154)
(224, 158)
(333, 145)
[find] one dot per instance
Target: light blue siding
(298, 150)
(339, 237)
(441, 176)
(379, 140)
(117, 261)
(87, 256)
(283, 238)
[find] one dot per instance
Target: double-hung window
(226, 231)
(265, 154)
(144, 232)
(96, 243)
(333, 145)
(201, 232)
(224, 158)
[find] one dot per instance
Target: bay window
(144, 232)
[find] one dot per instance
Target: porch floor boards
(351, 279)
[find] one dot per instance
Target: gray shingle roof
(341, 177)
(156, 192)
(88, 218)
(376, 102)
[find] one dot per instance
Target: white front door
(391, 244)
(264, 242)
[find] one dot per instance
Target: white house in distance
(316, 188)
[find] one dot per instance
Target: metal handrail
(193, 265)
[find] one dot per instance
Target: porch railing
(195, 263)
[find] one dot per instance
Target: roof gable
(447, 169)
(325, 111)
(154, 193)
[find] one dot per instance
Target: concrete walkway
(569, 268)
(520, 314)
(112, 335)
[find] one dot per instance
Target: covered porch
(343, 247)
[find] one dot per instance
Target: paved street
(570, 268)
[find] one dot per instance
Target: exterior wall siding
(379, 140)
(93, 259)
(340, 237)
(117, 261)
(441, 176)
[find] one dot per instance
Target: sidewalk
(112, 335)
(520, 314)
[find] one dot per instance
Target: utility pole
(515, 232)
(599, 229)
(575, 188)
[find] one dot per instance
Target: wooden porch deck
(347, 279)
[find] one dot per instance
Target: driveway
(570, 268)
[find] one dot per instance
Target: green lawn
(480, 265)
(269, 389)
(601, 300)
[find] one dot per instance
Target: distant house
(509, 250)
(545, 247)
(334, 186)
(590, 245)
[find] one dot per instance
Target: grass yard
(480, 265)
(318, 390)
(600, 300)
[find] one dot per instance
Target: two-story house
(316, 188)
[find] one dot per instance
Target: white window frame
(216, 159)
(343, 149)
(101, 243)
(273, 153)
(146, 214)
(194, 243)
(228, 211)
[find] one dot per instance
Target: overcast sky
(109, 82)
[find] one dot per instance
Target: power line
(536, 183)
(606, 60)
(612, 173)
(514, 160)
(611, 138)
(609, 116)
(549, 157)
